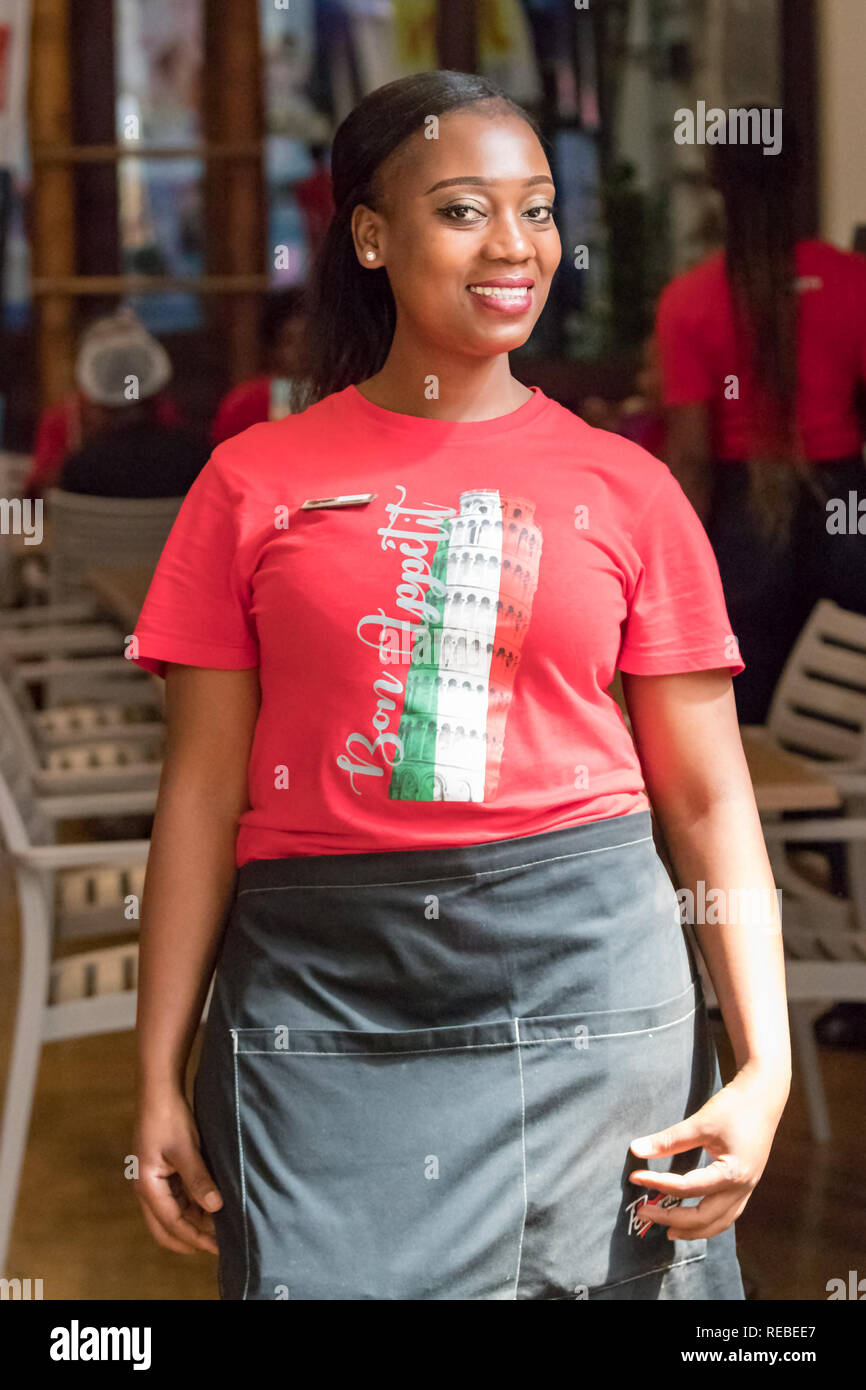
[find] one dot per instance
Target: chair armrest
(81, 856)
(87, 806)
(42, 614)
(849, 783)
(790, 832)
(29, 671)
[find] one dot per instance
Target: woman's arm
(688, 740)
(211, 717)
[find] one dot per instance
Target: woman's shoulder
(629, 470)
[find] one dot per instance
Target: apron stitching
(242, 1173)
(523, 1156)
(461, 1047)
(443, 878)
(690, 988)
(690, 1260)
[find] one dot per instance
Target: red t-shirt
(697, 349)
(518, 561)
(246, 404)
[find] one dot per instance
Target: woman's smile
(504, 296)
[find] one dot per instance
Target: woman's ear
(366, 235)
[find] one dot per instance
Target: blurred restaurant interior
(164, 178)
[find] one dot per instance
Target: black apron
(422, 1070)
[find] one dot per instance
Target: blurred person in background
(121, 371)
(65, 425)
(268, 397)
(762, 347)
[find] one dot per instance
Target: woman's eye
(455, 209)
(545, 212)
(468, 212)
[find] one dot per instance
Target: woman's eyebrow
(484, 183)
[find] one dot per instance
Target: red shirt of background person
(763, 347)
(267, 397)
(696, 333)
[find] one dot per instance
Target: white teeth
(497, 292)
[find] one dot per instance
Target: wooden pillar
(53, 244)
(457, 34)
(235, 191)
(94, 123)
(799, 41)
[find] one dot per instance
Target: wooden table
(122, 591)
(781, 780)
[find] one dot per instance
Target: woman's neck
(424, 381)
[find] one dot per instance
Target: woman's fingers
(197, 1180)
(698, 1182)
(160, 1193)
(708, 1218)
(690, 1133)
(160, 1234)
(192, 1212)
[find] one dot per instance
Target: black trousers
(770, 590)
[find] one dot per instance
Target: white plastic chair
(125, 532)
(64, 891)
(14, 469)
(94, 766)
(819, 712)
(819, 704)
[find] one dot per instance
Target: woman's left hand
(736, 1127)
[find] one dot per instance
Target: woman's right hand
(175, 1189)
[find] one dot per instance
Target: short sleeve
(197, 609)
(677, 617)
(686, 373)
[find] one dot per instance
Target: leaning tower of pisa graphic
(460, 682)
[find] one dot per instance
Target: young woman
(762, 347)
(457, 1047)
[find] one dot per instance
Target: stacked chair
(819, 712)
(81, 738)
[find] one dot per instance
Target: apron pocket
(380, 1165)
(608, 1079)
(480, 1161)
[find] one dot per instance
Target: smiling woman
(443, 180)
(452, 987)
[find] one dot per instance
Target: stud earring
(371, 255)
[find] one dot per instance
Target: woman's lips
(503, 297)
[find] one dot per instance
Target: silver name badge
(358, 499)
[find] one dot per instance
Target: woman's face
(466, 233)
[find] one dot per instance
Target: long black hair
(351, 312)
(760, 193)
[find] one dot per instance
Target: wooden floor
(79, 1229)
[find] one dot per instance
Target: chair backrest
(85, 531)
(14, 469)
(819, 705)
(21, 821)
